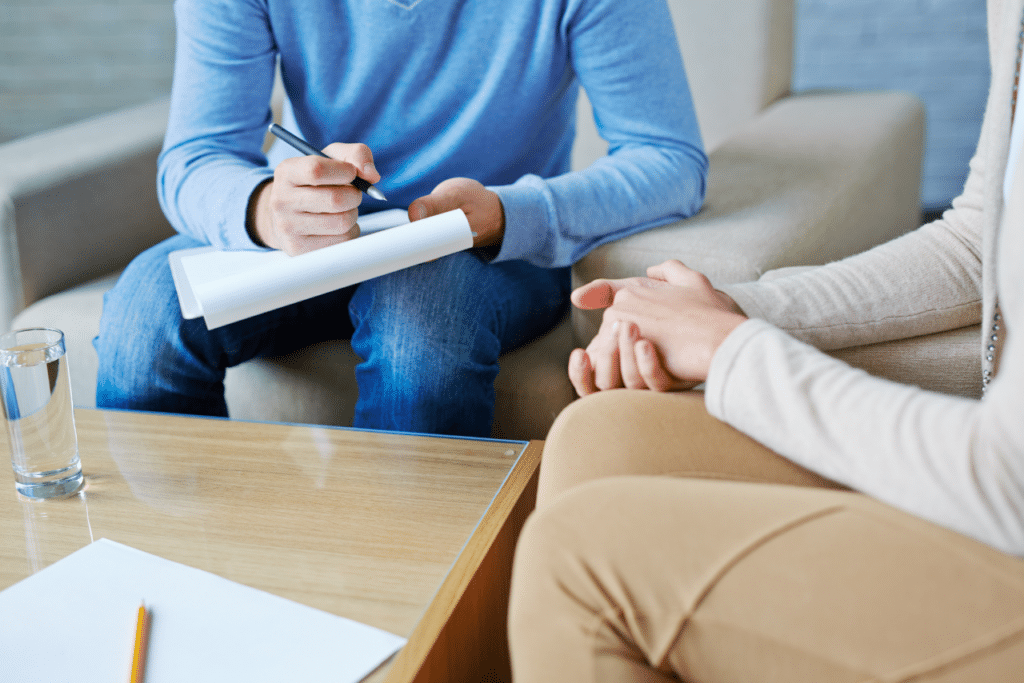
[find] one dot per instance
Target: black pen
(306, 148)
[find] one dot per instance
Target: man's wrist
(252, 213)
(494, 240)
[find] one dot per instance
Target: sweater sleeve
(211, 160)
(863, 299)
(626, 57)
(954, 461)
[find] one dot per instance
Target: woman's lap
(650, 577)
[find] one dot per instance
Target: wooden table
(408, 533)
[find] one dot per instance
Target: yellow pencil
(141, 640)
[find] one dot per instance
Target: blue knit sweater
(440, 88)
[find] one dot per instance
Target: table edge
(501, 522)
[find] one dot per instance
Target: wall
(935, 48)
(65, 60)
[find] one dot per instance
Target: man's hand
(658, 332)
(482, 208)
(310, 203)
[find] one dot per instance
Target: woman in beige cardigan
(822, 524)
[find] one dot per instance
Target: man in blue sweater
(442, 104)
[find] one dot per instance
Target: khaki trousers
(740, 567)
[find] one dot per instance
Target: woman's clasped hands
(658, 332)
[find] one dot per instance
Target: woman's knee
(617, 432)
(547, 552)
(627, 432)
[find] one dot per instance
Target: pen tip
(376, 194)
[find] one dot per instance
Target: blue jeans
(429, 337)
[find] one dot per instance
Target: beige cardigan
(957, 462)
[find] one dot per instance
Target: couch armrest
(814, 178)
(78, 202)
(948, 362)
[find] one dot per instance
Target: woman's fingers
(650, 367)
(581, 373)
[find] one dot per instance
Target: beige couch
(794, 180)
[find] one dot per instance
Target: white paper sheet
(74, 621)
(228, 286)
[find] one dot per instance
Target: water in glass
(36, 400)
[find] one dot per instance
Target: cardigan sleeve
(954, 461)
(864, 298)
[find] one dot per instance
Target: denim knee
(146, 359)
(430, 337)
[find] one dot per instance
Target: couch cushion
(948, 362)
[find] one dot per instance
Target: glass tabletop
(358, 523)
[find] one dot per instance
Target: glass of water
(35, 394)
